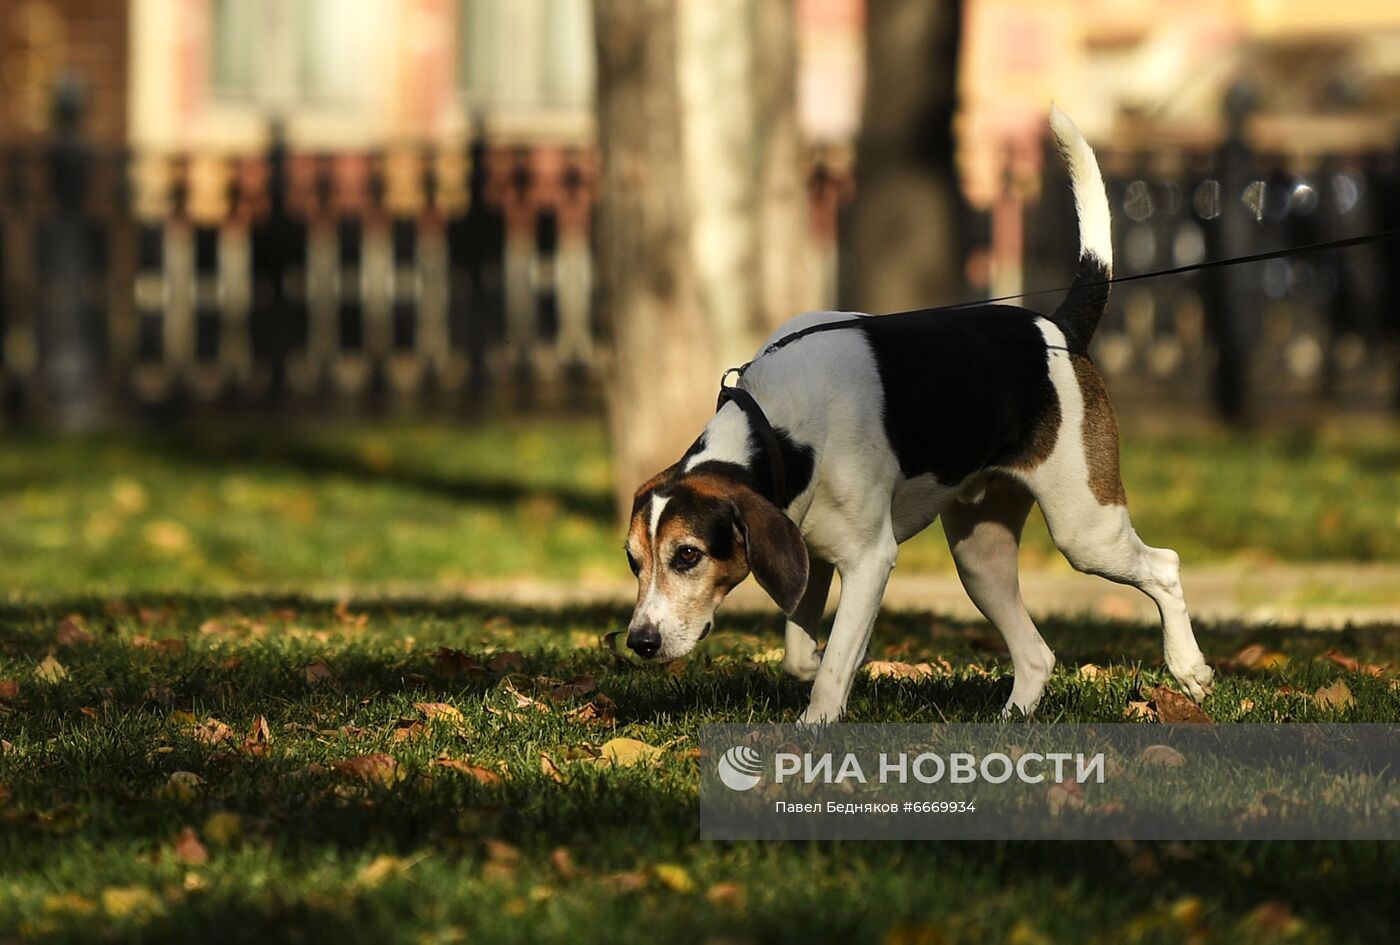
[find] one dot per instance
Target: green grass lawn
(232, 508)
(195, 745)
(223, 768)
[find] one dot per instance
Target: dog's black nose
(645, 641)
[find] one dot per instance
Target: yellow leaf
(223, 829)
(50, 670)
(1336, 696)
(626, 752)
(439, 711)
(674, 877)
(1186, 911)
(379, 869)
(121, 902)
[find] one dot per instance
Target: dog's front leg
(800, 656)
(862, 586)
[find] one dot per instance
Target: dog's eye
(687, 557)
(633, 563)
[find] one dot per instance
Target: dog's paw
(819, 715)
(1198, 680)
(800, 666)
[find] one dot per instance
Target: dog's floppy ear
(777, 554)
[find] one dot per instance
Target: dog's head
(693, 537)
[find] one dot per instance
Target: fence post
(67, 337)
(1224, 295)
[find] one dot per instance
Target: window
(526, 53)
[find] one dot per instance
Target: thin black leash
(776, 467)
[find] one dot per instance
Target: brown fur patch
(1100, 435)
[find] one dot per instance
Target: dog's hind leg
(984, 538)
(800, 656)
(1080, 492)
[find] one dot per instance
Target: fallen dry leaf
(625, 752)
(484, 775)
(893, 669)
(674, 877)
(377, 870)
(259, 734)
(1064, 795)
(405, 729)
(730, 895)
(377, 768)
(1353, 665)
(563, 862)
(590, 712)
(1140, 711)
(50, 670)
(223, 829)
(550, 769)
(1255, 658)
(188, 849)
(625, 882)
(316, 673)
(213, 732)
(439, 711)
(1175, 708)
(122, 902)
(73, 632)
(1246, 705)
(1164, 756)
(1275, 918)
(1092, 671)
(1337, 696)
(450, 662)
(9, 689)
(508, 662)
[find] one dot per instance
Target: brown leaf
(563, 862)
(450, 662)
(1255, 658)
(1275, 918)
(439, 711)
(550, 769)
(9, 689)
(507, 662)
(484, 775)
(1336, 696)
(316, 673)
(377, 768)
(578, 686)
(1164, 756)
(188, 849)
(259, 733)
(213, 732)
(729, 895)
(72, 631)
(1140, 711)
(591, 713)
(625, 882)
(897, 670)
(1064, 795)
(343, 614)
(1174, 707)
(405, 729)
(1352, 665)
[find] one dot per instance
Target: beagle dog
(844, 441)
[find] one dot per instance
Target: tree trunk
(663, 366)
(701, 175)
(904, 245)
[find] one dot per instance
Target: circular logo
(741, 768)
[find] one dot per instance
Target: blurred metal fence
(439, 276)
(430, 276)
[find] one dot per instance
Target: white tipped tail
(1081, 309)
